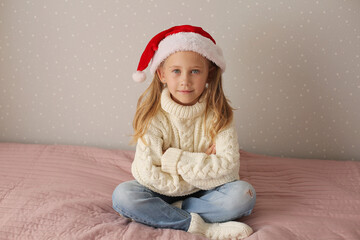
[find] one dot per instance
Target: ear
(160, 74)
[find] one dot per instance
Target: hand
(211, 149)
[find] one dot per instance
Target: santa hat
(178, 38)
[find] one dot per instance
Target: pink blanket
(64, 192)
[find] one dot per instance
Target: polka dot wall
(293, 70)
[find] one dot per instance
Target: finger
(208, 151)
(213, 149)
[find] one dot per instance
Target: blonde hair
(216, 102)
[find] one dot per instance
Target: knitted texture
(174, 162)
(219, 231)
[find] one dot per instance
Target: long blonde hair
(216, 102)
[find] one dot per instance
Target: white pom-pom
(139, 76)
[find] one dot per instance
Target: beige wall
(293, 70)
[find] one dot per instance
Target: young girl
(186, 164)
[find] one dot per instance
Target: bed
(64, 192)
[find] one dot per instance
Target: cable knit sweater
(174, 162)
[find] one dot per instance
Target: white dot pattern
(293, 70)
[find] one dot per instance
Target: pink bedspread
(64, 192)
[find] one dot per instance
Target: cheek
(171, 84)
(169, 77)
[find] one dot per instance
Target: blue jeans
(224, 203)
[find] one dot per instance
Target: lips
(185, 91)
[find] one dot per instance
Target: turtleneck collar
(178, 110)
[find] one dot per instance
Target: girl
(186, 163)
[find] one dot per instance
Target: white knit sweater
(174, 162)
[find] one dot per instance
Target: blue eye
(176, 71)
(195, 71)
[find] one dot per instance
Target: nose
(185, 80)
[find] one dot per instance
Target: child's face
(185, 74)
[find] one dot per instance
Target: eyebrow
(174, 66)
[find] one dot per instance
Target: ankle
(197, 224)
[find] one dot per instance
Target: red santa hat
(178, 38)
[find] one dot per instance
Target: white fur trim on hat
(187, 41)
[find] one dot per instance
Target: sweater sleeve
(147, 168)
(209, 171)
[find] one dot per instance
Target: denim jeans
(224, 203)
